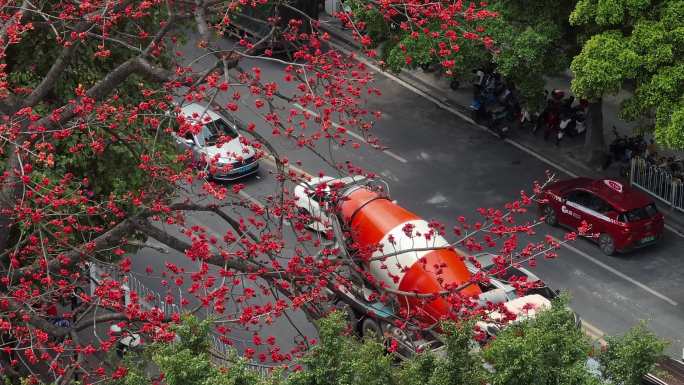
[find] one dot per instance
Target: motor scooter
(501, 120)
(623, 148)
(126, 342)
(571, 118)
(494, 104)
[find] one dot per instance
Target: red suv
(624, 217)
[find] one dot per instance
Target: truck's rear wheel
(371, 328)
(454, 84)
(349, 314)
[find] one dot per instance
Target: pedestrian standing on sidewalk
(551, 113)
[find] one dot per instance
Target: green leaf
(603, 65)
(628, 358)
(549, 349)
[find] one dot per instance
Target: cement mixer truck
(403, 277)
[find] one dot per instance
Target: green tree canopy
(639, 45)
(114, 168)
(526, 41)
(532, 40)
(546, 350)
(628, 358)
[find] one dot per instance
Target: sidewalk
(568, 156)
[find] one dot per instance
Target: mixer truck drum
(373, 220)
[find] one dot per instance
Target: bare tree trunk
(594, 143)
(10, 192)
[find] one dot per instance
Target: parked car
(217, 146)
(624, 218)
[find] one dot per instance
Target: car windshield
(212, 131)
(640, 214)
(488, 265)
(486, 260)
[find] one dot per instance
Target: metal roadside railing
(658, 182)
(150, 299)
(668, 372)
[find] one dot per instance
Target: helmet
(558, 94)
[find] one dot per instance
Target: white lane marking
(540, 157)
(257, 202)
(354, 135)
(454, 111)
(437, 199)
(193, 221)
(250, 198)
(270, 160)
(395, 156)
(677, 232)
(618, 273)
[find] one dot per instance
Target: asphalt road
(442, 167)
(461, 168)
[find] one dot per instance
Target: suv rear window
(639, 214)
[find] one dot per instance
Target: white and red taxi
(624, 217)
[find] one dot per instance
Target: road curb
(572, 168)
(405, 75)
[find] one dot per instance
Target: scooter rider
(551, 114)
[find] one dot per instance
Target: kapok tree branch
(110, 238)
(11, 190)
(9, 194)
(51, 77)
(177, 244)
(62, 61)
(106, 86)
